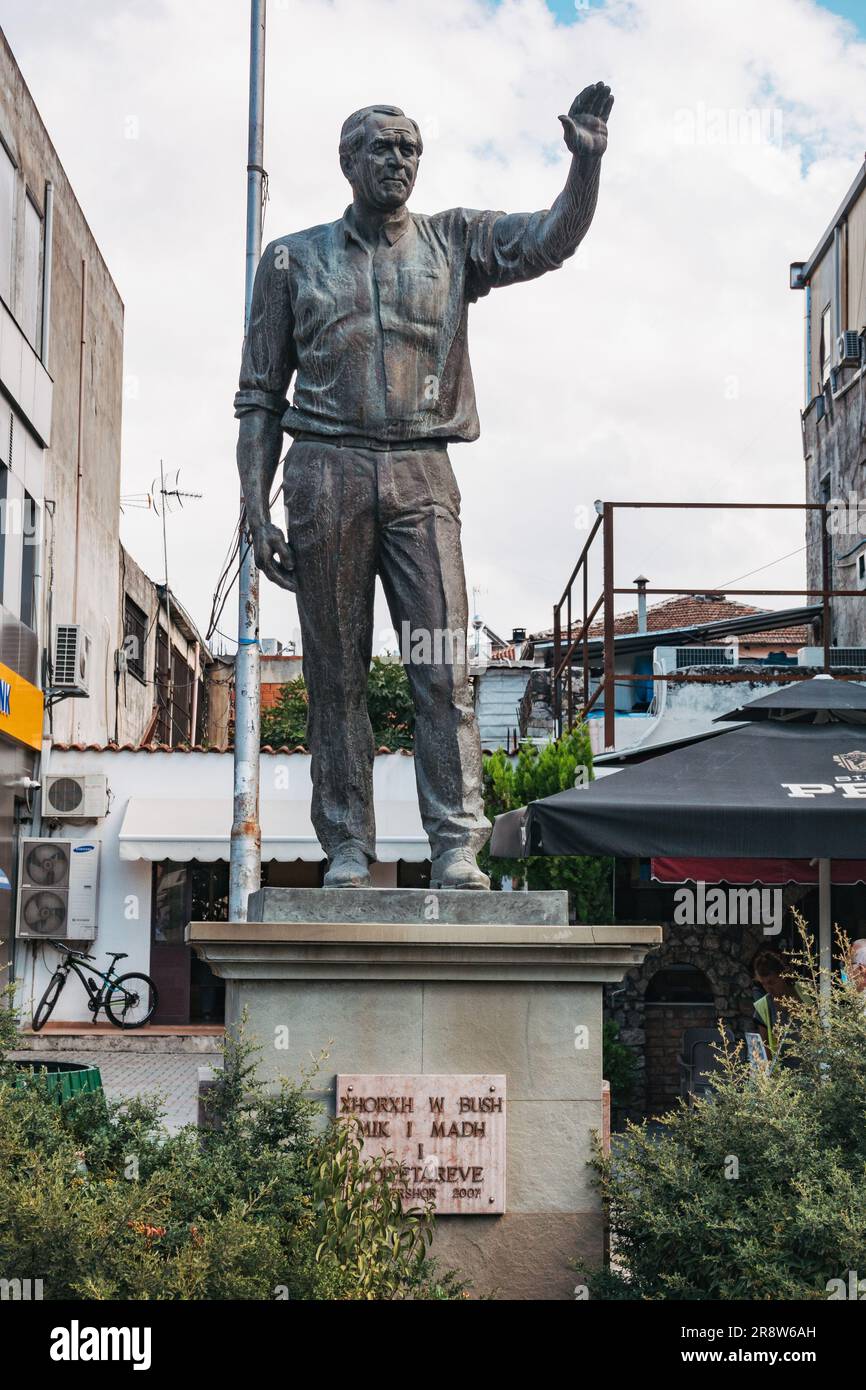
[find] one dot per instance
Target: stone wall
(652, 1030)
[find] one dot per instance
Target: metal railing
(569, 644)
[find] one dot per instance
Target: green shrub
(389, 704)
(757, 1191)
(100, 1202)
(536, 773)
(619, 1064)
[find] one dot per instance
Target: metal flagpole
(246, 841)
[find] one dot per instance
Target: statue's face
(382, 172)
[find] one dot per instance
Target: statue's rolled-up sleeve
(505, 248)
(269, 353)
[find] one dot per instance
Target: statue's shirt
(376, 336)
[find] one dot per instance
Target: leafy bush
(99, 1202)
(389, 704)
(619, 1064)
(537, 773)
(757, 1191)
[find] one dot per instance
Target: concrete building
(833, 281)
(66, 351)
(161, 676)
(118, 657)
(705, 646)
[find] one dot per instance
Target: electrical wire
(720, 588)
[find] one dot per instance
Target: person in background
(858, 966)
(773, 974)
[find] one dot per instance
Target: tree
(565, 762)
(269, 1202)
(389, 703)
(755, 1192)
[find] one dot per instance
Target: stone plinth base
(476, 995)
(408, 906)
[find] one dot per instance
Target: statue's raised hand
(585, 126)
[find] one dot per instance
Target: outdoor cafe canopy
(789, 784)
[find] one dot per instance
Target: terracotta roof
(686, 611)
(782, 636)
(187, 748)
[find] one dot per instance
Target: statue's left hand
(585, 126)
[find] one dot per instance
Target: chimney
(641, 583)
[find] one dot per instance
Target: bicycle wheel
(45, 1007)
(131, 1000)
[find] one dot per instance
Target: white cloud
(665, 363)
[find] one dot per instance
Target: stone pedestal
(414, 981)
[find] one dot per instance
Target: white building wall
(124, 912)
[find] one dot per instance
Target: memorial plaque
(445, 1134)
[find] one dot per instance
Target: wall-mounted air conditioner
(58, 884)
(849, 348)
(75, 796)
(71, 660)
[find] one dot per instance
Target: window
(4, 487)
(201, 711)
(7, 225)
(28, 562)
(825, 349)
(181, 701)
(170, 903)
(825, 495)
(134, 637)
(30, 315)
(163, 723)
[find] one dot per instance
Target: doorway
(189, 991)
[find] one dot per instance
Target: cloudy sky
(665, 362)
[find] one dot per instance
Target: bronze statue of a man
(369, 315)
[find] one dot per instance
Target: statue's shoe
(456, 868)
(349, 868)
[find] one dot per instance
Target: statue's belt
(357, 441)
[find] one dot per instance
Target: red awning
(754, 870)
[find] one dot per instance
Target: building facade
(161, 672)
(833, 281)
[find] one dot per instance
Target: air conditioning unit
(839, 656)
(58, 882)
(75, 796)
(271, 646)
(848, 348)
(72, 660)
(676, 658)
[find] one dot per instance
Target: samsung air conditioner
(75, 796)
(71, 660)
(58, 884)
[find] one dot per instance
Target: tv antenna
(162, 499)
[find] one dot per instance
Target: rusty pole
(246, 841)
(557, 657)
(826, 586)
(609, 665)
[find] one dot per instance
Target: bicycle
(129, 1000)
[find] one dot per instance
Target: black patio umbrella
(788, 784)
